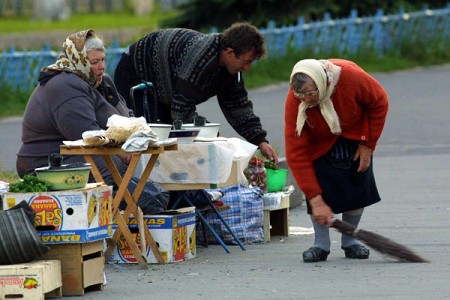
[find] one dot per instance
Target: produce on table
(256, 173)
(270, 165)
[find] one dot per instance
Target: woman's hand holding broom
(321, 212)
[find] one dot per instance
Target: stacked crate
(74, 224)
(36, 280)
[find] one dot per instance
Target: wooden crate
(35, 280)
(82, 266)
(276, 220)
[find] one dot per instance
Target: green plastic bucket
(276, 179)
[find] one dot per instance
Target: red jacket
(361, 104)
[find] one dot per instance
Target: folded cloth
(140, 140)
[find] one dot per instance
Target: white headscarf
(325, 75)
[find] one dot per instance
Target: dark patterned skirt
(343, 187)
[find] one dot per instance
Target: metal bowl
(162, 130)
(66, 177)
(209, 130)
(184, 135)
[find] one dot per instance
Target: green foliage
(97, 21)
(9, 176)
(270, 165)
(29, 184)
(13, 100)
(197, 14)
(425, 51)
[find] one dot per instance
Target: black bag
(199, 198)
(153, 199)
(19, 240)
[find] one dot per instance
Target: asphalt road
(412, 167)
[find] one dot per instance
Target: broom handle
(345, 227)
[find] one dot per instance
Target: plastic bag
(19, 240)
(245, 216)
(95, 137)
(256, 173)
(121, 128)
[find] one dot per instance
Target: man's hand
(364, 154)
(270, 153)
(321, 212)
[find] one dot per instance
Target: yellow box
(173, 232)
(82, 266)
(70, 216)
(34, 280)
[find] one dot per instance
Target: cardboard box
(70, 216)
(173, 232)
(34, 280)
(82, 266)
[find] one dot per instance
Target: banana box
(35, 280)
(173, 232)
(69, 216)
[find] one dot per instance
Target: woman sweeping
(334, 115)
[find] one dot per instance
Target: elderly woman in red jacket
(334, 115)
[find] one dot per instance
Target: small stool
(276, 220)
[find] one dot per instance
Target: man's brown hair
(243, 37)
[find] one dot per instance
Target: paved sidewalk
(415, 212)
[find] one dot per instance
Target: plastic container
(276, 179)
(272, 200)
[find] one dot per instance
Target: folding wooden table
(123, 193)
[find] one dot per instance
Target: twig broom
(378, 242)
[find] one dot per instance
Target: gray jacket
(61, 110)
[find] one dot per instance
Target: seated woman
(74, 95)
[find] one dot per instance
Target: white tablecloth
(200, 162)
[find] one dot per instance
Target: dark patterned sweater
(183, 66)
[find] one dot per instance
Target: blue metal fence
(377, 34)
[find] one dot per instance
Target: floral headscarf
(73, 58)
(325, 75)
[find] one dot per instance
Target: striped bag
(245, 217)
